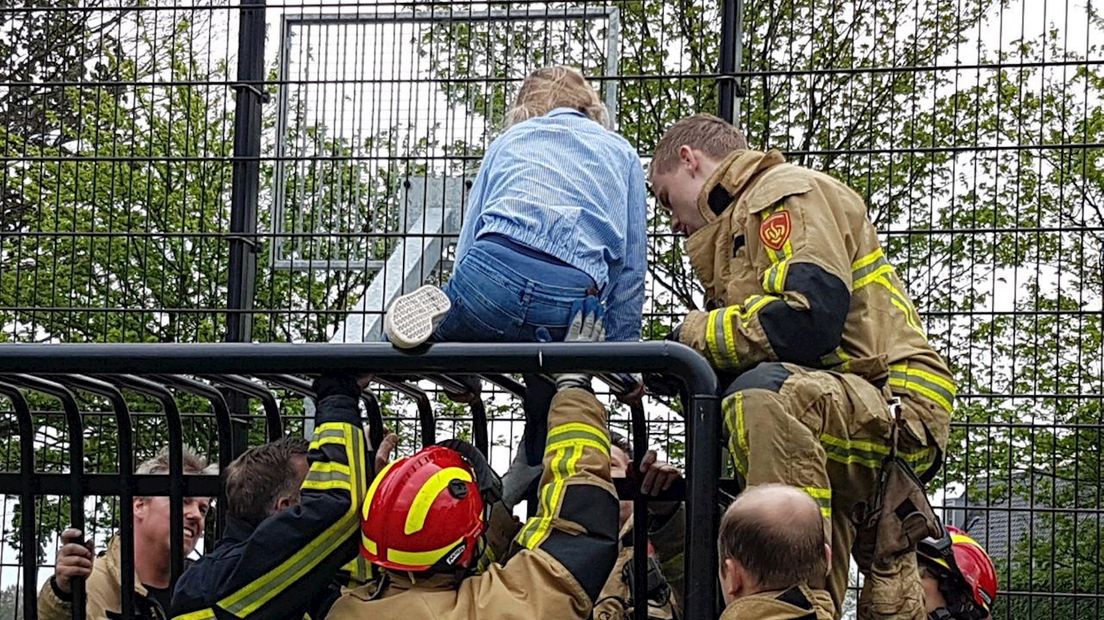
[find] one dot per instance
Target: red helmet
(423, 511)
(971, 564)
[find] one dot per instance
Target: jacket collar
(236, 531)
(112, 563)
(732, 178)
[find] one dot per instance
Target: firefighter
(283, 564)
(771, 546)
(424, 521)
(103, 589)
(959, 579)
(666, 537)
(836, 389)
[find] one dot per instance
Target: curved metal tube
(126, 473)
(176, 464)
(75, 427)
(669, 358)
(640, 512)
(26, 495)
(425, 409)
(223, 427)
(274, 426)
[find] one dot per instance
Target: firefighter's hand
(74, 560)
(586, 326)
(383, 452)
(658, 475)
(662, 385)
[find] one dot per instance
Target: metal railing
(163, 371)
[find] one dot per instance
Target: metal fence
(276, 172)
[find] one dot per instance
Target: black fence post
(244, 193)
(27, 529)
(704, 471)
(731, 52)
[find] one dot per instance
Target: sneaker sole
(411, 319)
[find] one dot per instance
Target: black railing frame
(127, 366)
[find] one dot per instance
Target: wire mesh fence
(973, 129)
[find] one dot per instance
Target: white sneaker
(411, 319)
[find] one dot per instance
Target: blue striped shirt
(564, 185)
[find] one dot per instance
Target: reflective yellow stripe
(580, 443)
(873, 276)
(867, 260)
(839, 357)
(729, 335)
(328, 475)
(326, 485)
(930, 385)
(714, 335)
(774, 280)
(372, 489)
(819, 492)
(753, 305)
(931, 377)
(823, 498)
(202, 614)
(250, 598)
(563, 467)
(318, 443)
(420, 558)
(574, 429)
(867, 453)
(369, 544)
(734, 417)
(419, 508)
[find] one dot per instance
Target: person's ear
(689, 159)
(140, 507)
(732, 578)
(284, 502)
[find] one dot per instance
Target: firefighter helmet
(967, 562)
(423, 511)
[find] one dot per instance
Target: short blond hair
(191, 462)
(709, 134)
(554, 87)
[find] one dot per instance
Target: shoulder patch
(775, 230)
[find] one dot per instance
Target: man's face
(677, 190)
(619, 468)
(151, 519)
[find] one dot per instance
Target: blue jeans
(501, 292)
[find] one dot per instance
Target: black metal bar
(426, 422)
(640, 514)
(224, 428)
(125, 432)
(74, 488)
(176, 465)
(703, 469)
(507, 383)
(375, 422)
(479, 426)
(730, 38)
(245, 181)
(144, 485)
(27, 531)
(274, 425)
(381, 358)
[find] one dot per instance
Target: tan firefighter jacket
(797, 603)
(567, 550)
(794, 273)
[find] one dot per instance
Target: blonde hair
(549, 88)
(709, 134)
